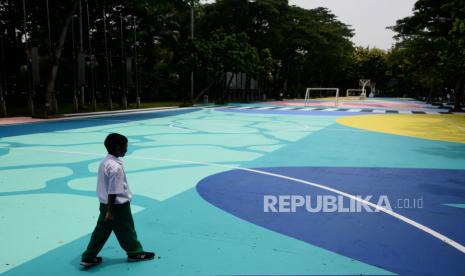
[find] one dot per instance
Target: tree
(370, 64)
(51, 108)
(309, 46)
(437, 24)
(219, 54)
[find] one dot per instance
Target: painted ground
(200, 177)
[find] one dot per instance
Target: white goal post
(354, 90)
(307, 94)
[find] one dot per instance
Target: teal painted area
(164, 184)
(338, 145)
(266, 148)
(191, 236)
(228, 140)
(3, 151)
(194, 238)
(59, 168)
(56, 139)
(158, 183)
(14, 180)
(30, 156)
(204, 153)
(33, 225)
(456, 205)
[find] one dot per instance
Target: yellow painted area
(443, 127)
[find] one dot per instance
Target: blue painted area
(294, 112)
(374, 238)
(76, 123)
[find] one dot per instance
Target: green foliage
(222, 53)
(433, 40)
(285, 47)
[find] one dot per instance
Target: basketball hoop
(364, 83)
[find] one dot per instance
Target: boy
(115, 212)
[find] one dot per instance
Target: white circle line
(413, 223)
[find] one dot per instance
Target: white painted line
(285, 108)
(354, 110)
(176, 127)
(379, 111)
(405, 112)
(245, 107)
(265, 108)
(413, 223)
(330, 109)
(96, 116)
(118, 111)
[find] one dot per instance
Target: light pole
(91, 55)
(81, 53)
(136, 63)
(75, 97)
(123, 63)
(53, 100)
(191, 94)
(107, 62)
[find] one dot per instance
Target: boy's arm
(109, 214)
(115, 180)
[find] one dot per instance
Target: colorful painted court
(201, 178)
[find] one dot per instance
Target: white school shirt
(112, 180)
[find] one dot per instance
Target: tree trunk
(228, 87)
(50, 92)
(459, 85)
(203, 91)
(430, 94)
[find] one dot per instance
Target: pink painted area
(18, 120)
(394, 105)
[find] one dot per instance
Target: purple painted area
(374, 238)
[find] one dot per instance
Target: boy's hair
(115, 140)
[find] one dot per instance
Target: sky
(368, 18)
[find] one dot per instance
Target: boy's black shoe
(90, 262)
(142, 256)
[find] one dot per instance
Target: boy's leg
(125, 232)
(100, 235)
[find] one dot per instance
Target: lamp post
(75, 93)
(123, 63)
(81, 53)
(191, 94)
(136, 63)
(54, 102)
(107, 62)
(91, 55)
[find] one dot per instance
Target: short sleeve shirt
(112, 180)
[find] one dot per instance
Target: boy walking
(115, 212)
